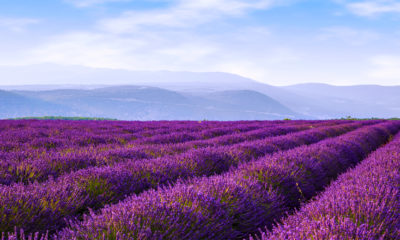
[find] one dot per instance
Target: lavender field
(253, 180)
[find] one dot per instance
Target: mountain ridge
(193, 94)
(150, 103)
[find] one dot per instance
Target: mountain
(150, 103)
(15, 105)
(74, 76)
(250, 101)
(125, 102)
(360, 101)
(188, 95)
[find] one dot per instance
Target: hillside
(146, 95)
(15, 105)
(150, 103)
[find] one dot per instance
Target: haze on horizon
(278, 42)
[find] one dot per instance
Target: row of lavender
(364, 203)
(18, 135)
(44, 206)
(37, 165)
(58, 137)
(235, 204)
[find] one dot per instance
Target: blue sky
(280, 42)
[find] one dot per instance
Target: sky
(279, 42)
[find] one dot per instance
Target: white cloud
(171, 50)
(171, 39)
(184, 14)
(17, 24)
(89, 3)
(348, 35)
(386, 67)
(200, 36)
(371, 8)
(226, 6)
(87, 49)
(142, 52)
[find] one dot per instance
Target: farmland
(333, 179)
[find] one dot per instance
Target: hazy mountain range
(167, 95)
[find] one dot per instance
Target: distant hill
(15, 105)
(150, 103)
(125, 102)
(251, 101)
(82, 77)
(156, 95)
(363, 101)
